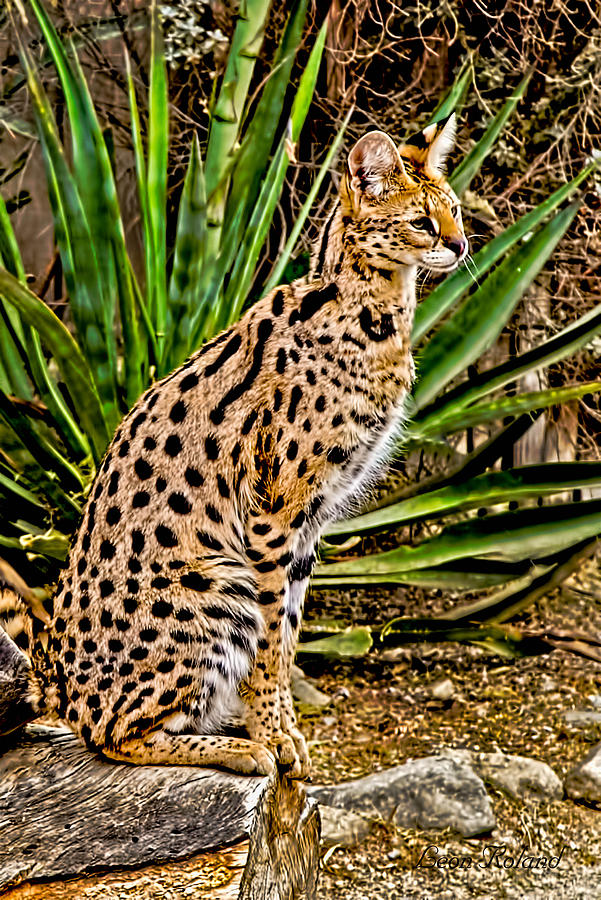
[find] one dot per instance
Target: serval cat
(178, 614)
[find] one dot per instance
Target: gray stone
(443, 689)
(519, 776)
(583, 782)
(429, 793)
(343, 827)
(305, 692)
(582, 717)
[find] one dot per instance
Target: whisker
(473, 270)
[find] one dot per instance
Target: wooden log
(75, 826)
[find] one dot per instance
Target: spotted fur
(180, 607)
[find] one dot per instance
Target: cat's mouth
(444, 267)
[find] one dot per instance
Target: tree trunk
(76, 826)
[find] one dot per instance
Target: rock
(341, 826)
(430, 793)
(305, 692)
(582, 717)
(595, 699)
(583, 782)
(443, 689)
(518, 776)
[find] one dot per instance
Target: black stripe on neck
(324, 241)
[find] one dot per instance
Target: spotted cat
(179, 610)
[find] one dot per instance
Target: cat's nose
(458, 245)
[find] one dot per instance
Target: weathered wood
(64, 813)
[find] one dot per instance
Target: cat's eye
(424, 223)
(455, 212)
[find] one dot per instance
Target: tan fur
(179, 610)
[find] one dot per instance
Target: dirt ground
(384, 713)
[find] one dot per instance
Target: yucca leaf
(447, 421)
(569, 340)
(9, 487)
(252, 159)
(207, 319)
(158, 137)
(442, 578)
(142, 182)
(69, 358)
(484, 490)
(226, 116)
(470, 166)
(48, 457)
(52, 543)
(475, 326)
(11, 330)
(94, 182)
(76, 247)
(352, 642)
(184, 286)
(453, 99)
(274, 278)
(518, 594)
(503, 639)
(527, 534)
(256, 233)
(104, 216)
(244, 268)
(441, 299)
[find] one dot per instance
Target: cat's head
(403, 210)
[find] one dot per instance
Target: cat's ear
(373, 162)
(431, 146)
(441, 143)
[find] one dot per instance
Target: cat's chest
(368, 460)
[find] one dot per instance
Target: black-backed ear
(431, 146)
(441, 143)
(373, 160)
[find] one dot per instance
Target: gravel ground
(384, 713)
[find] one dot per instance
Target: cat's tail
(23, 620)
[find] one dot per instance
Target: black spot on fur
(179, 503)
(178, 412)
(312, 302)
(195, 581)
(113, 515)
(173, 445)
(376, 331)
(161, 609)
(277, 304)
(165, 536)
(295, 397)
(193, 477)
(143, 469)
(212, 447)
(188, 382)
